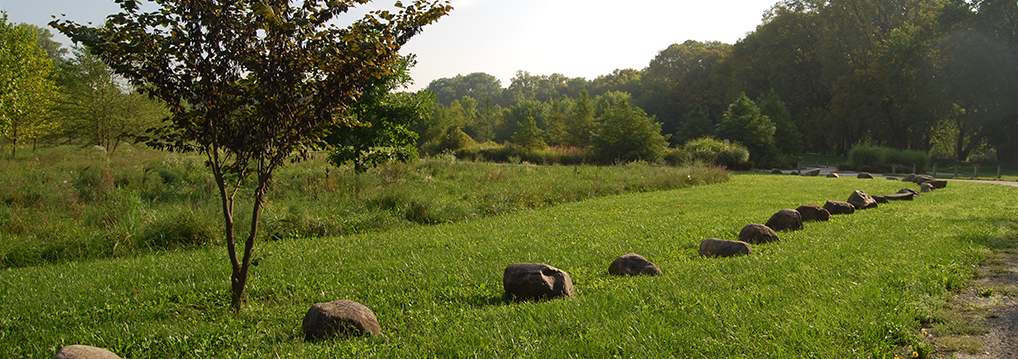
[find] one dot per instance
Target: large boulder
(812, 173)
(713, 247)
(754, 233)
(907, 196)
(832, 175)
(526, 281)
(861, 200)
(633, 264)
(339, 318)
(812, 212)
(938, 183)
(864, 175)
(838, 207)
(786, 219)
(909, 177)
(84, 352)
(920, 179)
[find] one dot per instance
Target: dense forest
(937, 76)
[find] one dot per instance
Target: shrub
(711, 151)
(882, 159)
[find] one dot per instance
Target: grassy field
(68, 203)
(860, 285)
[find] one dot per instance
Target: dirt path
(990, 305)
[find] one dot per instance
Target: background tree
(579, 122)
(626, 133)
(27, 86)
(99, 107)
(787, 138)
(529, 136)
(695, 124)
(743, 123)
(251, 84)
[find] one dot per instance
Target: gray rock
(908, 190)
(525, 281)
(812, 173)
(84, 352)
(713, 247)
(864, 175)
(892, 178)
(812, 212)
(838, 207)
(880, 199)
(861, 200)
(909, 177)
(754, 233)
(832, 175)
(938, 184)
(786, 219)
(920, 179)
(907, 196)
(776, 172)
(925, 187)
(339, 318)
(633, 264)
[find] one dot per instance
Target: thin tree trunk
(240, 274)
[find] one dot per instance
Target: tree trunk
(241, 271)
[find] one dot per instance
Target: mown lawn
(860, 285)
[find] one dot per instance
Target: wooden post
(934, 170)
(975, 170)
(956, 169)
(913, 168)
(894, 168)
(998, 172)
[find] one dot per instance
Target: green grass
(67, 203)
(857, 286)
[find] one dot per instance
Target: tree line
(937, 76)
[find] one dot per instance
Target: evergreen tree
(580, 121)
(530, 136)
(787, 137)
(696, 124)
(625, 133)
(743, 123)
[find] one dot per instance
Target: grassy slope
(854, 287)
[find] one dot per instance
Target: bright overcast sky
(577, 38)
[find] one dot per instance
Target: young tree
(625, 133)
(251, 84)
(26, 85)
(787, 138)
(580, 121)
(529, 136)
(743, 123)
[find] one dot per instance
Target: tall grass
(884, 159)
(858, 286)
(66, 203)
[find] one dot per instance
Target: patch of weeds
(967, 345)
(985, 292)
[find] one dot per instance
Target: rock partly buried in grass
(864, 175)
(526, 281)
(838, 207)
(812, 212)
(339, 318)
(832, 175)
(880, 199)
(920, 179)
(84, 352)
(908, 190)
(925, 187)
(633, 264)
(786, 219)
(907, 196)
(909, 177)
(713, 247)
(937, 184)
(757, 233)
(861, 200)
(812, 173)
(776, 172)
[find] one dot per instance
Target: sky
(576, 38)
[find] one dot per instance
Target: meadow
(67, 203)
(858, 286)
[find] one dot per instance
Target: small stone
(341, 317)
(907, 196)
(633, 264)
(864, 175)
(832, 175)
(786, 219)
(776, 171)
(713, 247)
(812, 212)
(838, 207)
(812, 173)
(861, 200)
(84, 352)
(525, 281)
(754, 233)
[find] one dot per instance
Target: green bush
(882, 159)
(711, 151)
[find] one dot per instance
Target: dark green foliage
(787, 138)
(529, 136)
(743, 123)
(710, 151)
(883, 159)
(626, 133)
(695, 124)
